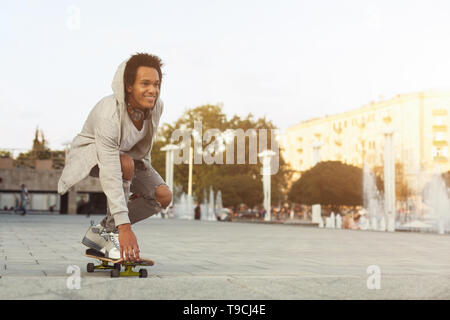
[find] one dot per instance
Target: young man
(115, 145)
(23, 199)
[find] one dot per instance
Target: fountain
(431, 210)
(330, 222)
(373, 201)
(316, 213)
(211, 209)
(382, 225)
(436, 198)
(338, 221)
(320, 221)
(219, 205)
(183, 207)
(204, 207)
(207, 207)
(364, 221)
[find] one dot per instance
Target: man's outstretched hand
(129, 249)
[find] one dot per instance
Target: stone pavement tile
(21, 261)
(32, 288)
(106, 288)
(335, 287)
(23, 270)
(415, 287)
(249, 260)
(272, 287)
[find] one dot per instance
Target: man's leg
(150, 195)
(23, 207)
(127, 165)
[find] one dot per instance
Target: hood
(117, 84)
(143, 147)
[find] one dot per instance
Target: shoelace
(114, 237)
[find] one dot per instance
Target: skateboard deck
(115, 265)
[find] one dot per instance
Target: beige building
(421, 135)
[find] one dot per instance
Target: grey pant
(144, 184)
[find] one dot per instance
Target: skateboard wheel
(115, 273)
(90, 267)
(143, 273)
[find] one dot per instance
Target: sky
(289, 61)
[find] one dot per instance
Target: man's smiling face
(145, 90)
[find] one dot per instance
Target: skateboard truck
(115, 265)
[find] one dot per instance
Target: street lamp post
(316, 152)
(316, 208)
(266, 155)
(389, 179)
(191, 155)
(169, 149)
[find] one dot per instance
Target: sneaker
(94, 238)
(112, 247)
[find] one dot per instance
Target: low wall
(45, 181)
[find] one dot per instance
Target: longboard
(115, 265)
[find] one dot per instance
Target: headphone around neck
(137, 114)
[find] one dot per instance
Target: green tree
(446, 177)
(402, 189)
(5, 154)
(330, 183)
(40, 151)
(239, 183)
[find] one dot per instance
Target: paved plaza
(39, 256)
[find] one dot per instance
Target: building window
(439, 112)
(439, 152)
(439, 136)
(439, 120)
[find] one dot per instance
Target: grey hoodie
(98, 144)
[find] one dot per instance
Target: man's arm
(110, 171)
(110, 174)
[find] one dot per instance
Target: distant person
(115, 145)
(197, 212)
(263, 213)
(23, 200)
(231, 213)
(351, 221)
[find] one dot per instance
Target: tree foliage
(239, 183)
(330, 183)
(40, 151)
(402, 190)
(446, 177)
(5, 154)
